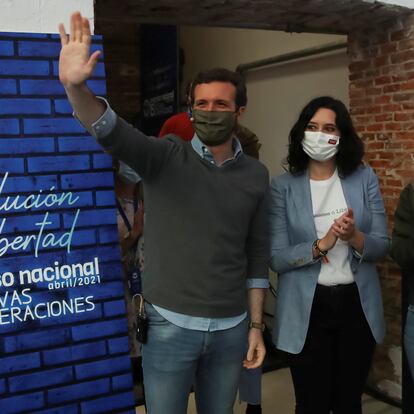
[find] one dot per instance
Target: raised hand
(76, 64)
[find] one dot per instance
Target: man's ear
(241, 111)
(190, 113)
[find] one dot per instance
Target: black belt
(337, 288)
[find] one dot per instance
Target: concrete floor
(278, 398)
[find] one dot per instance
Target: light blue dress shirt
(102, 127)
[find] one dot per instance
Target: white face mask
(320, 146)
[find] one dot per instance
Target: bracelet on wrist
(322, 254)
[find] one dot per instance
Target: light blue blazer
(292, 234)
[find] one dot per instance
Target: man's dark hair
(222, 75)
(350, 147)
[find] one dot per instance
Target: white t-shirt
(329, 203)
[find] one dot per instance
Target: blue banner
(63, 328)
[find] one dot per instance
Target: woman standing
(402, 251)
(328, 227)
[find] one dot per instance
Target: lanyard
(122, 212)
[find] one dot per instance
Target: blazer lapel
(354, 196)
(303, 202)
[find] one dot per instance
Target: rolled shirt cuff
(257, 283)
(105, 124)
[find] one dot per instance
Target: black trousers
(329, 374)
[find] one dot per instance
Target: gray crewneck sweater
(206, 227)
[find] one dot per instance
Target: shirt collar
(203, 151)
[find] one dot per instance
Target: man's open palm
(76, 64)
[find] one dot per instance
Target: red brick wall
(382, 105)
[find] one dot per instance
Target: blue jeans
(409, 339)
(175, 358)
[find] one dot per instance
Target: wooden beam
(315, 16)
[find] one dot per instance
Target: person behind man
(208, 201)
(130, 221)
(180, 124)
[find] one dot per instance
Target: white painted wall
(40, 16)
(405, 3)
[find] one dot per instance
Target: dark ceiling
(322, 16)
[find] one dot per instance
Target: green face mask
(214, 127)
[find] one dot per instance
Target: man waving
(205, 235)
